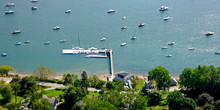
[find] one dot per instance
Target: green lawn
(95, 93)
(54, 92)
(140, 84)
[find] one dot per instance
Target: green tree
(110, 85)
(103, 105)
(89, 101)
(174, 100)
(187, 104)
(140, 103)
(77, 107)
(76, 83)
(205, 98)
(72, 95)
(16, 88)
(43, 104)
(84, 81)
(119, 85)
(69, 78)
(134, 82)
(100, 84)
(161, 76)
(5, 69)
(43, 72)
(93, 81)
(26, 83)
(154, 98)
(1, 108)
(6, 92)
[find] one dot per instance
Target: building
(53, 101)
(123, 76)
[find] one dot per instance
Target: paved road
(53, 85)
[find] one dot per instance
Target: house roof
(14, 80)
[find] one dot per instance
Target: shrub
(154, 98)
(205, 98)
(60, 82)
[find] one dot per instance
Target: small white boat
(191, 48)
(123, 44)
(77, 48)
(68, 11)
(33, 8)
(95, 56)
(4, 54)
(103, 39)
(141, 24)
(124, 17)
(92, 48)
(168, 55)
(56, 28)
(9, 12)
(16, 31)
(18, 43)
(166, 18)
(34, 0)
(164, 47)
(10, 4)
(46, 43)
(133, 37)
(163, 8)
(62, 41)
(217, 53)
(27, 41)
(209, 33)
(171, 43)
(124, 27)
(110, 11)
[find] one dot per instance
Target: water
(190, 19)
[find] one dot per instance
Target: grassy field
(140, 84)
(54, 93)
(95, 93)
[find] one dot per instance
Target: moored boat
(18, 43)
(171, 43)
(9, 12)
(124, 17)
(46, 43)
(34, 0)
(191, 48)
(164, 47)
(62, 41)
(103, 39)
(33, 8)
(68, 11)
(141, 24)
(124, 27)
(133, 37)
(10, 4)
(27, 41)
(4, 54)
(163, 8)
(217, 53)
(123, 44)
(166, 18)
(56, 28)
(209, 33)
(168, 55)
(16, 31)
(110, 11)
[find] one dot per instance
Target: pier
(111, 65)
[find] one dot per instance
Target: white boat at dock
(209, 33)
(78, 50)
(163, 8)
(123, 44)
(96, 56)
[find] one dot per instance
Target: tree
(6, 92)
(76, 83)
(119, 85)
(103, 105)
(100, 84)
(84, 81)
(77, 107)
(16, 88)
(140, 103)
(5, 69)
(72, 95)
(93, 81)
(205, 98)
(43, 104)
(110, 85)
(217, 105)
(134, 81)
(1, 108)
(161, 76)
(26, 83)
(154, 98)
(173, 100)
(43, 72)
(69, 79)
(187, 104)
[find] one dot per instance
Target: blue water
(190, 19)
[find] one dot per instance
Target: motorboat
(33, 8)
(168, 55)
(77, 48)
(171, 43)
(103, 39)
(110, 11)
(68, 11)
(16, 31)
(163, 8)
(217, 53)
(34, 0)
(166, 18)
(209, 33)
(133, 37)
(10, 4)
(46, 43)
(92, 48)
(141, 24)
(27, 41)
(95, 56)
(191, 48)
(124, 17)
(62, 41)
(18, 43)
(164, 47)
(4, 54)
(9, 12)
(56, 28)
(124, 27)
(123, 44)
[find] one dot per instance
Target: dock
(111, 65)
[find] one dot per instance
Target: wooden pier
(111, 65)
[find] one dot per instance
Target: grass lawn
(95, 93)
(156, 107)
(54, 92)
(140, 84)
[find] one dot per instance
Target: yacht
(168, 55)
(68, 11)
(18, 43)
(163, 8)
(56, 28)
(103, 39)
(46, 43)
(16, 31)
(124, 17)
(164, 47)
(217, 53)
(4, 54)
(141, 24)
(191, 48)
(34, 0)
(133, 37)
(9, 12)
(209, 33)
(110, 11)
(171, 43)
(33, 8)
(123, 44)
(95, 56)
(62, 41)
(27, 41)
(124, 27)
(10, 4)
(166, 18)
